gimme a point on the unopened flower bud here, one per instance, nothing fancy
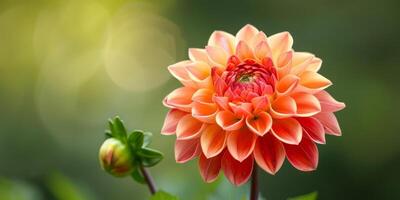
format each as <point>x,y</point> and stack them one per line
<point>116,158</point>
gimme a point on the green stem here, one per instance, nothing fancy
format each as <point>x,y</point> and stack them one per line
<point>149,180</point>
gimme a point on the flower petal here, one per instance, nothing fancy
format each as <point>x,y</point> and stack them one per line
<point>285,59</point>
<point>204,96</point>
<point>237,172</point>
<point>284,63</point>
<point>262,50</point>
<point>315,65</point>
<point>209,167</point>
<point>279,43</point>
<point>219,84</point>
<point>241,143</point>
<point>257,39</point>
<point>199,55</point>
<point>171,121</point>
<point>228,121</point>
<point>287,130</point>
<point>222,102</point>
<point>241,109</point>
<point>217,54</point>
<point>260,103</point>
<point>178,70</point>
<point>186,150</point>
<point>204,112</point>
<point>223,40</point>
<point>303,156</point>
<point>213,140</point>
<point>180,98</point>
<point>246,34</point>
<point>243,51</point>
<point>283,107</point>
<point>200,73</point>
<point>307,104</point>
<point>269,153</point>
<point>287,84</point>
<point>188,128</point>
<point>330,123</point>
<point>328,103</point>
<point>313,128</point>
<point>313,81</point>
<point>260,124</point>
<point>301,61</point>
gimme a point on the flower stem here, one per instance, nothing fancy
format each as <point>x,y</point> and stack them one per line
<point>149,180</point>
<point>254,184</point>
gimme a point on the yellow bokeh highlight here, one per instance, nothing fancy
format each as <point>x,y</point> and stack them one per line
<point>140,44</point>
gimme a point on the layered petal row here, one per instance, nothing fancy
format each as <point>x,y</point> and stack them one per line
<point>249,99</point>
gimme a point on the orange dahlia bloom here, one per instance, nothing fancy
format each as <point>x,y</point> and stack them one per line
<point>249,98</point>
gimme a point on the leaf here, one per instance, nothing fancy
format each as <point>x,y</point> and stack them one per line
<point>64,188</point>
<point>161,195</point>
<point>138,176</point>
<point>136,139</point>
<point>310,196</point>
<point>11,189</point>
<point>147,138</point>
<point>149,157</point>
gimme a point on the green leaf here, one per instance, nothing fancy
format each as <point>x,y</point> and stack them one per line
<point>64,188</point>
<point>136,139</point>
<point>310,196</point>
<point>138,176</point>
<point>147,139</point>
<point>161,195</point>
<point>18,190</point>
<point>149,157</point>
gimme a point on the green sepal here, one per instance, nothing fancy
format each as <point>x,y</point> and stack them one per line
<point>112,129</point>
<point>108,134</point>
<point>147,139</point>
<point>161,195</point>
<point>149,157</point>
<point>138,176</point>
<point>120,128</point>
<point>117,129</point>
<point>135,139</point>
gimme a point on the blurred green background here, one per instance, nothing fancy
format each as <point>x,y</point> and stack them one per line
<point>66,66</point>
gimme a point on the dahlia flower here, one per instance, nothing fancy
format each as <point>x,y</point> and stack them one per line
<point>249,99</point>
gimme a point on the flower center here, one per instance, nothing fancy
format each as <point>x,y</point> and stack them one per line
<point>244,78</point>
<point>242,81</point>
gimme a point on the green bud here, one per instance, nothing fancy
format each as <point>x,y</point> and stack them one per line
<point>116,158</point>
